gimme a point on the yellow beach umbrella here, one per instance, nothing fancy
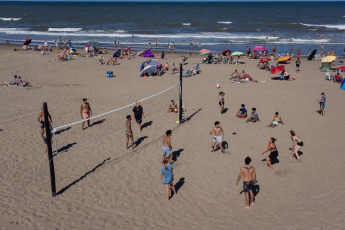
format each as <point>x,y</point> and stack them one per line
<point>329,59</point>
<point>285,58</point>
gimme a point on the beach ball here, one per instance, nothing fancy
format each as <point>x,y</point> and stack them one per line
<point>218,85</point>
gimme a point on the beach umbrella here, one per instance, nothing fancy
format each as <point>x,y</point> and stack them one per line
<point>277,69</point>
<point>27,41</point>
<point>128,48</point>
<point>259,48</point>
<point>204,51</point>
<point>329,59</point>
<point>140,52</point>
<point>285,58</point>
<point>225,51</point>
<point>265,59</point>
<point>237,53</point>
<point>149,70</point>
<point>342,68</point>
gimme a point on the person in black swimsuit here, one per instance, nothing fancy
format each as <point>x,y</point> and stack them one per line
<point>297,144</point>
<point>249,180</point>
<point>274,152</point>
<point>138,114</point>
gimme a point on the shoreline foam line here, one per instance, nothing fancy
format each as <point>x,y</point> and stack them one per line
<point>64,126</point>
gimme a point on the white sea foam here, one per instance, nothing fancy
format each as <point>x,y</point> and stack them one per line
<point>65,29</point>
<point>10,19</point>
<point>186,24</point>
<point>339,27</point>
<point>5,30</point>
<point>224,22</point>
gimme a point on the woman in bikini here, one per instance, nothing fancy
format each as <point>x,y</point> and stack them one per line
<point>273,152</point>
<point>297,144</point>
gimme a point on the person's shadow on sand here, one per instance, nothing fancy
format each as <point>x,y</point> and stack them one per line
<point>139,140</point>
<point>178,186</point>
<point>146,124</point>
<point>176,154</point>
<point>225,110</point>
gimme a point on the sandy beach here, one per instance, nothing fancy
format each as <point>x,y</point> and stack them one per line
<point>102,185</point>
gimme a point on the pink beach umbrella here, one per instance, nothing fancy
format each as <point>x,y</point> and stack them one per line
<point>259,48</point>
<point>204,51</point>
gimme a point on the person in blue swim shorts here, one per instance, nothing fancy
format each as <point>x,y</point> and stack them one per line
<point>167,153</point>
<point>276,120</point>
<point>322,103</point>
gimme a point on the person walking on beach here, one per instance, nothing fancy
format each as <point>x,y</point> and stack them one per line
<point>221,101</point>
<point>85,113</point>
<point>276,120</point>
<point>218,136</point>
<point>322,103</point>
<point>40,120</point>
<point>167,177</point>
<point>138,113</point>
<point>273,152</point>
<point>173,47</point>
<point>249,180</point>
<point>297,144</point>
<point>129,132</point>
<point>167,153</point>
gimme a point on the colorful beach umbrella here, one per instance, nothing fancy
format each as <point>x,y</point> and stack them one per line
<point>329,59</point>
<point>342,68</point>
<point>277,69</point>
<point>128,48</point>
<point>285,58</point>
<point>237,53</point>
<point>140,52</point>
<point>265,59</point>
<point>225,52</point>
<point>204,51</point>
<point>259,48</point>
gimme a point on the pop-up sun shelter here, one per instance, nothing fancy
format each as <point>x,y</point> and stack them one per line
<point>150,68</point>
<point>148,53</point>
<point>326,67</point>
<point>144,64</point>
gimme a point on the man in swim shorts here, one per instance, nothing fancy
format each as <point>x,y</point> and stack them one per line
<point>85,113</point>
<point>322,103</point>
<point>138,113</point>
<point>129,133</point>
<point>234,75</point>
<point>249,180</point>
<point>218,137</point>
<point>40,120</point>
<point>276,120</point>
<point>167,153</point>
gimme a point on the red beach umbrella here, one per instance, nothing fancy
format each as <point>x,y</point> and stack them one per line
<point>265,59</point>
<point>225,52</point>
<point>277,69</point>
<point>342,68</point>
<point>128,48</point>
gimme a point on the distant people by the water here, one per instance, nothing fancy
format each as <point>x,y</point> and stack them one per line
<point>221,101</point>
<point>273,151</point>
<point>276,120</point>
<point>322,103</point>
<point>167,153</point>
<point>297,144</point>
<point>167,177</point>
<point>129,132</point>
<point>218,136</point>
<point>254,117</point>
<point>249,181</point>
<point>85,113</point>
<point>138,114</point>
<point>242,112</point>
<point>149,44</point>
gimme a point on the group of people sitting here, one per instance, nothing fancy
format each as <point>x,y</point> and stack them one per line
<point>265,66</point>
<point>243,76</point>
<point>336,78</point>
<point>17,81</point>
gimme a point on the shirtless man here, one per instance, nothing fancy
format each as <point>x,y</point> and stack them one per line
<point>44,136</point>
<point>172,107</point>
<point>234,75</point>
<point>167,146</point>
<point>129,133</point>
<point>276,120</point>
<point>249,180</point>
<point>40,120</point>
<point>218,136</point>
<point>85,113</point>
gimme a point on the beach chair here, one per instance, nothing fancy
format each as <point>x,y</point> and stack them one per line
<point>187,74</point>
<point>196,69</point>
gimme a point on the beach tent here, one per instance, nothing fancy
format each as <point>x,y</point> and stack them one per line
<point>117,53</point>
<point>148,70</point>
<point>325,67</point>
<point>311,56</point>
<point>143,64</point>
<point>342,85</point>
<point>148,53</point>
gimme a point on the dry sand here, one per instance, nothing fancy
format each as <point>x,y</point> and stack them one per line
<point>104,186</point>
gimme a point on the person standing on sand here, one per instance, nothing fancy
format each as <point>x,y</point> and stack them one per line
<point>291,50</point>
<point>297,144</point>
<point>221,101</point>
<point>44,136</point>
<point>173,47</point>
<point>138,114</point>
<point>167,177</point>
<point>273,152</point>
<point>276,120</point>
<point>129,133</point>
<point>85,113</point>
<point>298,64</point>
<point>322,103</point>
<point>298,53</point>
<point>167,146</point>
<point>40,120</point>
<point>249,180</point>
<point>218,136</point>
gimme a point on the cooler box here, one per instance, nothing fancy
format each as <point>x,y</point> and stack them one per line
<point>110,74</point>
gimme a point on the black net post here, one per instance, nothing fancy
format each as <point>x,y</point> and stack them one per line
<point>49,148</point>
<point>181,105</point>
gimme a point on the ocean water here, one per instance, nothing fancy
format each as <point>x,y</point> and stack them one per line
<point>218,26</point>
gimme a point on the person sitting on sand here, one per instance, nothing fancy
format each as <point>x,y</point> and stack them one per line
<point>254,117</point>
<point>249,180</point>
<point>273,152</point>
<point>166,66</point>
<point>242,74</point>
<point>234,75</point>
<point>285,75</point>
<point>172,107</point>
<point>242,113</point>
<point>276,120</point>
